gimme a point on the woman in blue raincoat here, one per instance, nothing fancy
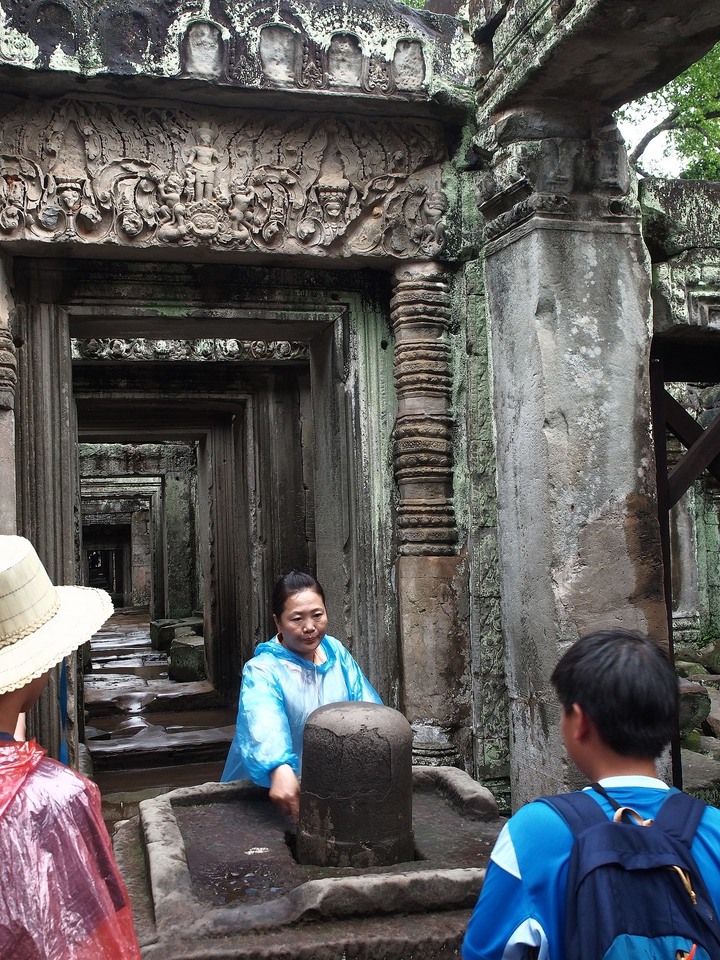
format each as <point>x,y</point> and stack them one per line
<point>299,670</point>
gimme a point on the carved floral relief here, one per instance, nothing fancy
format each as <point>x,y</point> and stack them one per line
<point>101,172</point>
<point>206,350</point>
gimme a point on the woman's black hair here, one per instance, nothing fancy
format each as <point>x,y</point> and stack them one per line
<point>627,685</point>
<point>291,583</point>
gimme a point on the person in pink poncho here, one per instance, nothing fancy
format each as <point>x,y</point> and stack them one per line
<point>61,895</point>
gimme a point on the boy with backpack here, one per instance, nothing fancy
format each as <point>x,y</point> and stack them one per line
<point>575,878</point>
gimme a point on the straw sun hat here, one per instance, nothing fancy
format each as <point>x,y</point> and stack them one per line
<point>40,624</point>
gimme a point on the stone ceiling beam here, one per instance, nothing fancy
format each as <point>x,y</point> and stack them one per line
<point>606,52</point>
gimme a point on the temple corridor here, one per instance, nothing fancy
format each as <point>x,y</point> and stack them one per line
<point>147,734</point>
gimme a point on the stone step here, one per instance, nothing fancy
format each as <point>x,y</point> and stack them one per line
<point>129,694</point>
<point>156,746</point>
<point>123,791</point>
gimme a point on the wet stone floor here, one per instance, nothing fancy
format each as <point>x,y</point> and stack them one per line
<point>147,734</point>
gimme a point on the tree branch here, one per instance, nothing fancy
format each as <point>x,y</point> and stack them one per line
<point>667,124</point>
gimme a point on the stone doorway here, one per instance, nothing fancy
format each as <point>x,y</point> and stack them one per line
<point>283,405</point>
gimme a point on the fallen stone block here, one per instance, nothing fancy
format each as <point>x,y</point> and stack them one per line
<point>686,668</point>
<point>694,706</point>
<point>162,633</point>
<point>187,659</point>
<point>701,776</point>
<point>712,721</point>
<point>710,746</point>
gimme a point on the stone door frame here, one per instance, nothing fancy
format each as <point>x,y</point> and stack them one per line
<point>347,442</point>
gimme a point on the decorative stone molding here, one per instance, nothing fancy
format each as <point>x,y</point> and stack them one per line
<point>196,350</point>
<point>8,371</point>
<point>101,173</point>
<point>580,177</point>
<point>422,447</point>
<point>376,49</point>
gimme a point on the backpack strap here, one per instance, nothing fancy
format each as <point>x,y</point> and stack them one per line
<point>578,810</point>
<point>680,815</point>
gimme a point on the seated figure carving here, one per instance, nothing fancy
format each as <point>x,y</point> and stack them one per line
<point>203,50</point>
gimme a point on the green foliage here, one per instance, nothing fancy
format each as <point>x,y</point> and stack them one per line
<point>688,109</point>
<point>704,168</point>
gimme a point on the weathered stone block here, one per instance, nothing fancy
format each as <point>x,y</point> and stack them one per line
<point>701,776</point>
<point>356,797</point>
<point>162,633</point>
<point>687,668</point>
<point>694,706</point>
<point>712,717</point>
<point>187,659</point>
<point>194,623</point>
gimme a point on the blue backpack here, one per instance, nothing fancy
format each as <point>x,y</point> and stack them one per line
<point>634,891</point>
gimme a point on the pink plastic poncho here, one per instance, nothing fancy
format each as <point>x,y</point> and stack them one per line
<point>61,896</point>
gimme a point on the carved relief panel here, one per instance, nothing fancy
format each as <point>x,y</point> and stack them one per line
<point>106,173</point>
<point>377,48</point>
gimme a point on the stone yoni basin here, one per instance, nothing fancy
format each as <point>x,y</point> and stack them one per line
<point>220,861</point>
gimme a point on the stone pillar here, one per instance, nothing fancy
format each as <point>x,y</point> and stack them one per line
<point>430,575</point>
<point>8,382</point>
<point>568,287</point>
<point>47,481</point>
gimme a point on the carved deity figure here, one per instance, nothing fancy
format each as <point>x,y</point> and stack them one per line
<point>203,50</point>
<point>12,201</point>
<point>202,162</point>
<point>171,213</point>
<point>409,65</point>
<point>241,196</point>
<point>278,53</point>
<point>131,222</point>
<point>345,60</point>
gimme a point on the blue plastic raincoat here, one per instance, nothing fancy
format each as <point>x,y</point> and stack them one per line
<point>279,691</point>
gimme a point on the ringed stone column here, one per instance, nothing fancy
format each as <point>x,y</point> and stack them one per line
<point>430,575</point>
<point>568,286</point>
<point>8,383</point>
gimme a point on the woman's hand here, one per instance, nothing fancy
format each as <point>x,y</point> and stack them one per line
<point>285,790</point>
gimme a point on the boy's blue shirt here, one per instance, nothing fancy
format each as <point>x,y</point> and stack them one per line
<point>522,902</point>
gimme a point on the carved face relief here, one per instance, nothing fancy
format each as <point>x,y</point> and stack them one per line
<point>70,196</point>
<point>409,65</point>
<point>345,60</point>
<point>203,50</point>
<point>278,53</point>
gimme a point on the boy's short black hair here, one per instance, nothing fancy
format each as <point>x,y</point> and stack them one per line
<point>627,686</point>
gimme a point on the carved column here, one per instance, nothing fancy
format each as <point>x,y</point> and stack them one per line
<point>568,286</point>
<point>48,486</point>
<point>8,382</point>
<point>430,574</point>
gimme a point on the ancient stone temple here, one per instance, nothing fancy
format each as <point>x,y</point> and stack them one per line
<point>354,287</point>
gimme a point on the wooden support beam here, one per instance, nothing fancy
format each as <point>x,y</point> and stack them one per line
<point>699,457</point>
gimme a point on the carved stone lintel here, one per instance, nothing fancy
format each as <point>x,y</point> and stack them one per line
<point>422,435</point>
<point>198,350</point>
<point>136,176</point>
<point>8,371</point>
